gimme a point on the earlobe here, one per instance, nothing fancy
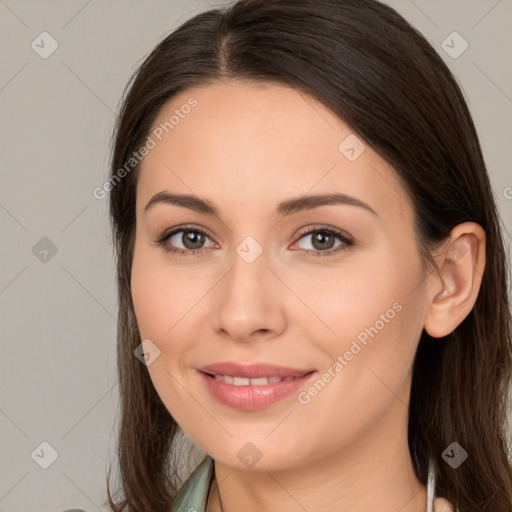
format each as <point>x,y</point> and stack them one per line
<point>452,292</point>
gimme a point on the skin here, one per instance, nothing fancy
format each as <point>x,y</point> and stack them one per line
<point>246,147</point>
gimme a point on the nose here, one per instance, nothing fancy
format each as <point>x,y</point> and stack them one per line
<point>250,301</point>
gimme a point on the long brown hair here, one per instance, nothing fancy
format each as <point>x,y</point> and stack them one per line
<point>368,65</point>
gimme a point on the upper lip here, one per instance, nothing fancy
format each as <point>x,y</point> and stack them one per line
<point>252,371</point>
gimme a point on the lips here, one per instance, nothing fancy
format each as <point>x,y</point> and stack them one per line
<point>253,371</point>
<point>252,387</point>
<point>260,381</point>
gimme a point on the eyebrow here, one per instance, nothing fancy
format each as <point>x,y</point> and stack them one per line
<point>284,208</point>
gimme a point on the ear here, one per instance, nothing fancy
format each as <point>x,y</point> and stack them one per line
<point>452,292</point>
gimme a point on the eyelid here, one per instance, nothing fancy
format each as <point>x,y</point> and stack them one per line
<point>325,227</point>
<point>185,227</point>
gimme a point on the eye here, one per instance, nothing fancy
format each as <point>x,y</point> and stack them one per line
<point>323,240</point>
<point>192,241</point>
<point>190,238</point>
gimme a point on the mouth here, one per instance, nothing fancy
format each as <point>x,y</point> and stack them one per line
<point>253,394</point>
<point>251,371</point>
<point>260,381</point>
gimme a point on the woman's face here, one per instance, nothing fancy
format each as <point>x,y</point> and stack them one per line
<point>274,285</point>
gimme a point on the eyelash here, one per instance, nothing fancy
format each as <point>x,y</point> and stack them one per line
<point>347,243</point>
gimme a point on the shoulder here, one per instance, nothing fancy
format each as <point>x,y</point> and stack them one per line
<point>442,505</point>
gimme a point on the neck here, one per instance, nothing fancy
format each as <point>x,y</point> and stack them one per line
<point>375,473</point>
<point>413,499</point>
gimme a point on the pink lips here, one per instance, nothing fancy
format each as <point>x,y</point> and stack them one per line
<point>252,397</point>
<point>252,371</point>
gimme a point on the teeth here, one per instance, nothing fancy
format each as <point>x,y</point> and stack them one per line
<point>243,381</point>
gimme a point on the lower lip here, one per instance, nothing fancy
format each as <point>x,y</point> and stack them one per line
<point>253,398</point>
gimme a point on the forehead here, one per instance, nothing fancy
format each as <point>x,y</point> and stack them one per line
<point>260,142</point>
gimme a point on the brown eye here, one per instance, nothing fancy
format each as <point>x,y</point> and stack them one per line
<point>323,242</point>
<point>191,239</point>
<point>184,241</point>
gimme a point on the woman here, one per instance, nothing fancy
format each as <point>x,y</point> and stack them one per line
<point>311,272</point>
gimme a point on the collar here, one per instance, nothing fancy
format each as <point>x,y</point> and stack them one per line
<point>193,494</point>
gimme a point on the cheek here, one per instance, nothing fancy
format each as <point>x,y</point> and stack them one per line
<point>371,316</point>
<point>159,293</point>
<point>367,365</point>
<point>148,299</point>
<point>167,299</point>
<point>370,289</point>
<point>152,297</point>
<point>161,300</point>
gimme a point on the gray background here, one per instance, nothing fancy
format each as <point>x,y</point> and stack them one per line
<point>58,311</point>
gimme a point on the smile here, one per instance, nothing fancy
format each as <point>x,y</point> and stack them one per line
<point>262,381</point>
